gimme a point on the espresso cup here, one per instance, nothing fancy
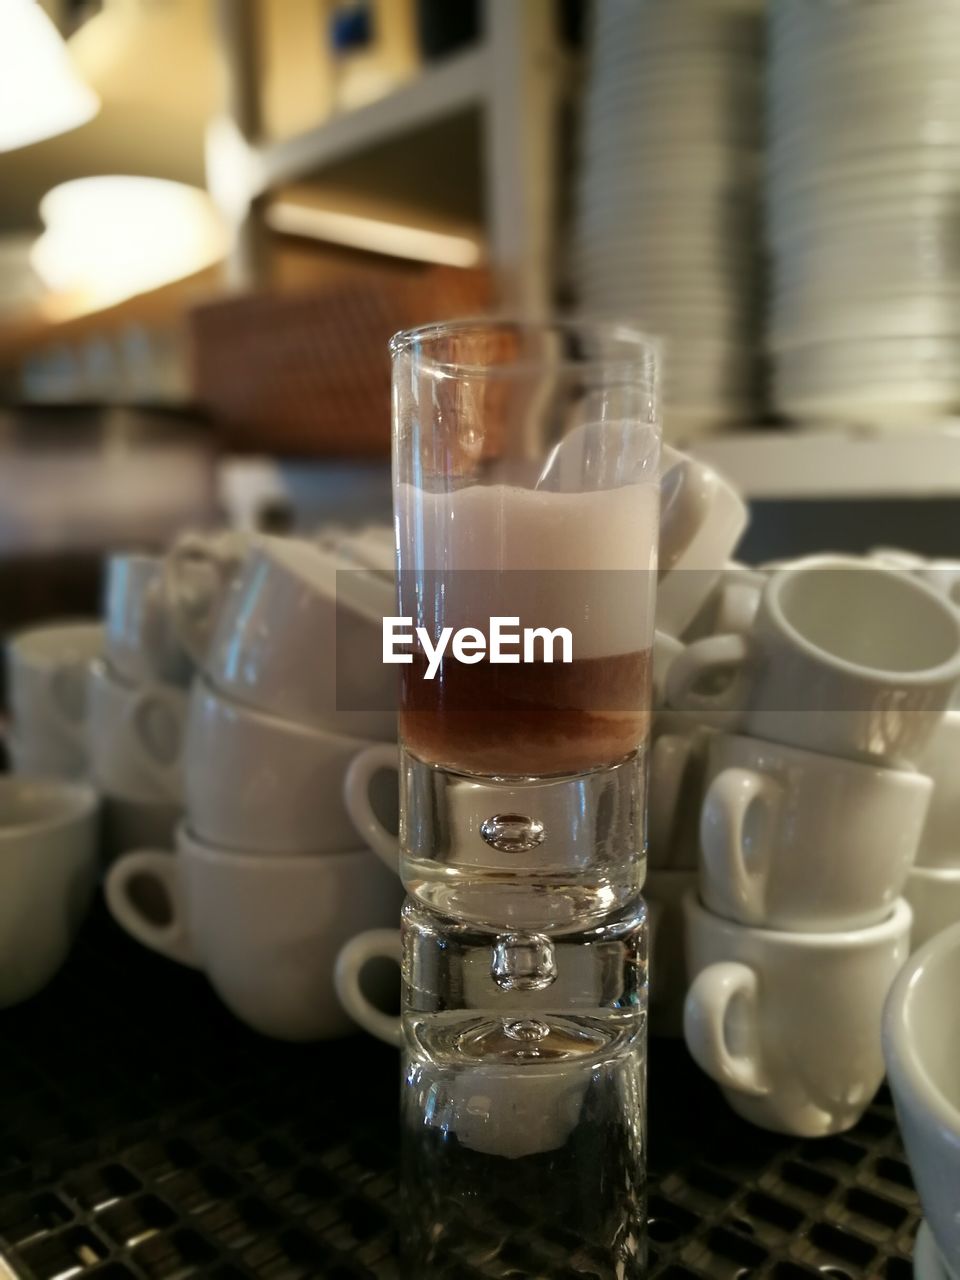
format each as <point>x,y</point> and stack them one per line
<point>264,785</point>
<point>198,573</point>
<point>940,842</point>
<point>934,897</point>
<point>136,736</point>
<point>921,1045</point>
<point>48,871</point>
<point>264,930</point>
<point>678,757</point>
<point>788,1023</point>
<point>845,657</point>
<point>791,839</point>
<point>701,520</point>
<point>140,641</point>
<point>300,637</point>
<point>47,692</point>
<point>664,893</point>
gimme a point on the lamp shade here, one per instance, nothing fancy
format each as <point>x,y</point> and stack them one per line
<point>109,238</point>
<point>40,93</point>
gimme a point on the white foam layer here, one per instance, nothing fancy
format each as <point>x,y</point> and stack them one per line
<point>593,555</point>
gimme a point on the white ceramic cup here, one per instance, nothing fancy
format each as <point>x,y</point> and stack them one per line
<point>265,785</point>
<point>701,520</point>
<point>664,893</point>
<point>300,636</point>
<point>677,763</point>
<point>136,736</point>
<point>934,896</point>
<point>198,573</point>
<point>792,839</point>
<point>845,656</point>
<point>265,930</point>
<point>141,644</point>
<point>48,871</point>
<point>940,842</point>
<point>788,1024</point>
<point>47,691</point>
<point>921,1045</point>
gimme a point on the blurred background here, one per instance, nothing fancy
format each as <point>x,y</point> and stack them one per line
<point>213,213</point>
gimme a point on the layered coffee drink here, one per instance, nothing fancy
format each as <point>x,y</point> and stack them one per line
<point>571,579</point>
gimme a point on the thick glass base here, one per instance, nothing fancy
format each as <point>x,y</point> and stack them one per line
<point>523,1113</point>
<point>537,854</point>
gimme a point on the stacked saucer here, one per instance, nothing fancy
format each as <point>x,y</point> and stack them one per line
<point>863,180</point>
<point>665,224</point>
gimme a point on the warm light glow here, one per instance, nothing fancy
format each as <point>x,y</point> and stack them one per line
<point>110,238</point>
<point>376,236</point>
<point>40,93</point>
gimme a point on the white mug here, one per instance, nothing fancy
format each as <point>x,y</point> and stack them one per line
<point>921,1045</point>
<point>701,520</point>
<point>48,871</point>
<point>845,657</point>
<point>47,691</point>
<point>140,641</point>
<point>678,756</point>
<point>934,896</point>
<point>198,574</point>
<point>940,842</point>
<point>664,892</point>
<point>791,839</point>
<point>788,1024</point>
<point>136,737</point>
<point>257,783</point>
<point>300,636</point>
<point>265,930</point>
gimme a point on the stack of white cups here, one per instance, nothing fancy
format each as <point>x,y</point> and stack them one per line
<point>136,703</point>
<point>821,712</point>
<point>268,880</point>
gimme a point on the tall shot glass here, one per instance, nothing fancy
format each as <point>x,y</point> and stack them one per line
<point>526,498</point>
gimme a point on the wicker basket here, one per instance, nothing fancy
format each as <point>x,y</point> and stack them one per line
<point>309,373</point>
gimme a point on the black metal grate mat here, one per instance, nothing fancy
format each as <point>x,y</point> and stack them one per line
<point>146,1135</point>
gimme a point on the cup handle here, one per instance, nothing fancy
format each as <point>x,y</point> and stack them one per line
<point>356,798</point>
<point>708,657</point>
<point>669,758</point>
<point>62,691</point>
<point>170,939</point>
<point>725,805</point>
<point>355,955</point>
<point>704,1017</point>
<point>146,703</point>
<point>194,606</point>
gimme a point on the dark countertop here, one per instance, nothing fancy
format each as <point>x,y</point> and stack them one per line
<point>146,1135</point>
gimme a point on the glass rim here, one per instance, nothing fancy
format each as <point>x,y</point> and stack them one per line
<point>648,347</point>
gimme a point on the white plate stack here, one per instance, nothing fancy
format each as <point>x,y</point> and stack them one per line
<point>666,203</point>
<point>863,188</point>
